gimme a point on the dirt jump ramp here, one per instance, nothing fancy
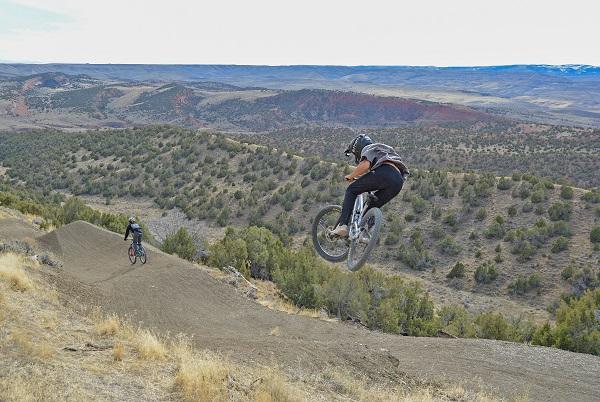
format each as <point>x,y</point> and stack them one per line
<point>172,295</point>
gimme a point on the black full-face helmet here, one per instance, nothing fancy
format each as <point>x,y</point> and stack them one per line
<point>356,146</point>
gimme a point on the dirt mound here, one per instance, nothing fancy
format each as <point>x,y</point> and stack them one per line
<point>172,295</point>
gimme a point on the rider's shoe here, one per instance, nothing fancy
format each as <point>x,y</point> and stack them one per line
<point>363,238</point>
<point>341,231</point>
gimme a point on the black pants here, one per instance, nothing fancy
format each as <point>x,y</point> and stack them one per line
<point>137,238</point>
<point>386,181</point>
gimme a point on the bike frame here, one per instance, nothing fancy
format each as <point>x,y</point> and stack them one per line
<point>360,207</point>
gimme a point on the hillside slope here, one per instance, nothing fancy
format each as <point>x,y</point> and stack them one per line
<point>439,219</point>
<point>172,295</point>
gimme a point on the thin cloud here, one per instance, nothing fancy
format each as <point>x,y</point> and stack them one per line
<point>16,18</point>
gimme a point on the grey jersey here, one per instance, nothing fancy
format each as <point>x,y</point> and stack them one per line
<point>377,154</point>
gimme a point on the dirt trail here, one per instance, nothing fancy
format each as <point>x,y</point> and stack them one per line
<point>172,295</point>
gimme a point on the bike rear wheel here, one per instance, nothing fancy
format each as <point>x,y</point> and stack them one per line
<point>361,247</point>
<point>331,248</point>
<point>131,255</point>
<point>142,255</point>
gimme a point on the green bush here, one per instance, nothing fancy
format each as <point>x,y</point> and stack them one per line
<point>456,321</point>
<point>504,184</point>
<point>560,211</point>
<point>449,246</point>
<point>566,193</point>
<point>486,272</point>
<point>457,271</point>
<point>481,214</point>
<point>560,244</point>
<point>592,196</point>
<point>522,285</point>
<point>576,327</point>
<point>180,243</point>
<point>581,278</point>
<point>595,234</point>
<point>370,297</point>
<point>495,230</point>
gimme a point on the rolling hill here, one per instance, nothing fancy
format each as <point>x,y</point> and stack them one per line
<point>529,229</point>
<point>60,100</point>
<point>567,94</point>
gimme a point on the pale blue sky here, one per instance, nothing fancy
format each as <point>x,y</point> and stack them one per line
<point>343,32</point>
<point>15,18</point>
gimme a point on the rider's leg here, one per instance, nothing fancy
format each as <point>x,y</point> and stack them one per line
<point>137,240</point>
<point>393,184</point>
<point>367,182</point>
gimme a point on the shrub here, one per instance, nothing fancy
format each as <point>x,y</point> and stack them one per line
<point>512,210</point>
<point>560,211</point>
<point>566,193</point>
<point>595,234</point>
<point>456,321</point>
<point>419,205</point>
<point>180,243</point>
<point>451,220</point>
<point>486,273</point>
<point>495,231</point>
<point>560,244</point>
<point>504,184</point>
<point>523,285</point>
<point>524,250</point>
<point>581,279</point>
<point>481,214</point>
<point>493,326</point>
<point>438,232</point>
<point>457,271</point>
<point>592,196</point>
<point>576,325</point>
<point>449,246</point>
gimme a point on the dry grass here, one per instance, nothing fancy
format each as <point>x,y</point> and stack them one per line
<point>275,331</point>
<point>274,388</point>
<point>361,389</point>
<point>200,376</point>
<point>3,307</point>
<point>108,326</point>
<point>12,272</point>
<point>33,348</point>
<point>149,346</point>
<point>118,351</point>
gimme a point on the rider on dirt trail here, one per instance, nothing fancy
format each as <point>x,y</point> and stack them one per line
<point>379,168</point>
<point>136,231</point>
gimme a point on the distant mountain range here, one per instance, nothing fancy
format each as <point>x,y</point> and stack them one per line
<point>80,101</point>
<point>566,94</point>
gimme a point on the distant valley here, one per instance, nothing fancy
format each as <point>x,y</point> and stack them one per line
<point>565,95</point>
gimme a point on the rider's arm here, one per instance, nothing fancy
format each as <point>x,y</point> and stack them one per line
<point>127,231</point>
<point>362,168</point>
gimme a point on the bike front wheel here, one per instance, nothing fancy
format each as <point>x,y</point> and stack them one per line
<point>131,255</point>
<point>331,248</point>
<point>361,247</point>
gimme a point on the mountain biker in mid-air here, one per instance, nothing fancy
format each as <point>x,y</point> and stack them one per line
<point>379,169</point>
<point>136,231</point>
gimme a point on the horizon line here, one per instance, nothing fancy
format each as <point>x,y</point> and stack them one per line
<point>566,65</point>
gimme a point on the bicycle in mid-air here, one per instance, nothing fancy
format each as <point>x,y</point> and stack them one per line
<point>136,252</point>
<point>363,232</point>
